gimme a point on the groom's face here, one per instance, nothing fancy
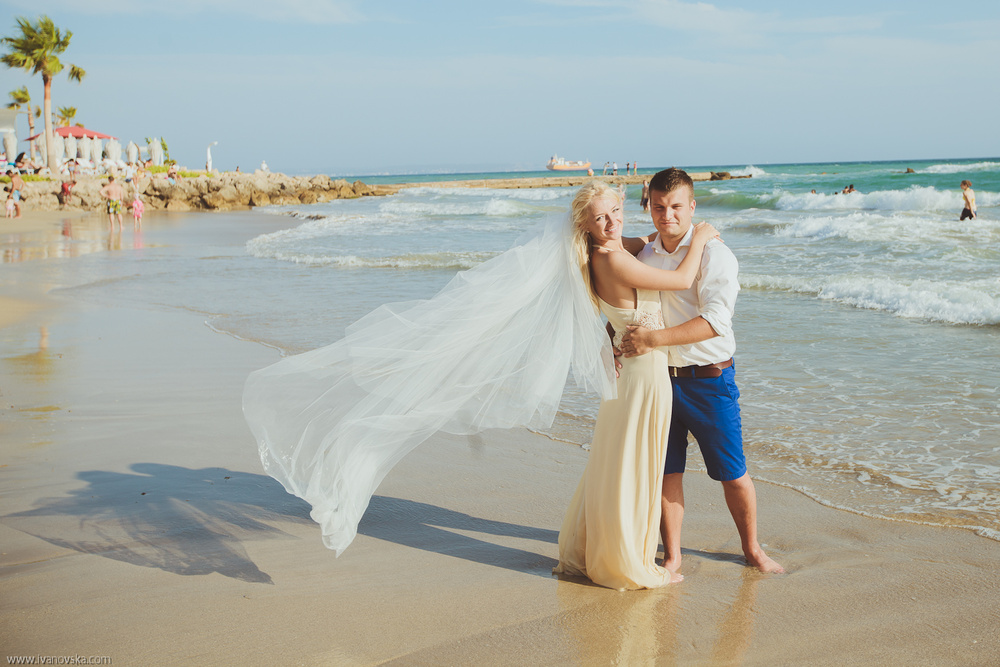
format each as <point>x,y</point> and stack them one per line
<point>672,213</point>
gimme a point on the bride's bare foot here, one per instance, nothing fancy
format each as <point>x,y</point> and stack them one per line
<point>676,578</point>
<point>672,564</point>
<point>764,563</point>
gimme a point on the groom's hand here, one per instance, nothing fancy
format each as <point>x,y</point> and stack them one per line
<point>636,341</point>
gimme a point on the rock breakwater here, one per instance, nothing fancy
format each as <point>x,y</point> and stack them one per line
<point>216,192</point>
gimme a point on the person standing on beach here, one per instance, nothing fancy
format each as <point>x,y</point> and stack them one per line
<point>969,198</point>
<point>113,193</point>
<point>699,337</point>
<point>16,188</point>
<point>644,197</point>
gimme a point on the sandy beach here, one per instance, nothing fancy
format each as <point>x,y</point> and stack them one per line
<point>138,525</point>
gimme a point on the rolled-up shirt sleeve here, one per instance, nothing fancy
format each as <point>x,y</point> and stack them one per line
<point>718,287</point>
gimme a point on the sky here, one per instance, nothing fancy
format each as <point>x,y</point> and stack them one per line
<point>356,87</point>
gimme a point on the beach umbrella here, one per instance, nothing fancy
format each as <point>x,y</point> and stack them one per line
<point>75,131</point>
<point>208,161</point>
<point>132,152</point>
<point>40,143</point>
<point>70,143</point>
<point>10,145</point>
<point>113,150</point>
<point>156,152</point>
<point>96,151</point>
<point>84,146</point>
<point>60,145</point>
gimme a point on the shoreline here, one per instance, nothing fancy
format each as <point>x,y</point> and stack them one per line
<point>135,507</point>
<point>229,191</point>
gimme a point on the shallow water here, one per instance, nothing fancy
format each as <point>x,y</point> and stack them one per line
<point>868,328</point>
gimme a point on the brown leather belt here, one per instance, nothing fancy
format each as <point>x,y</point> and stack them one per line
<point>710,371</point>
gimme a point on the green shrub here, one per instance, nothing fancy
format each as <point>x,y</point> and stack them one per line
<point>27,178</point>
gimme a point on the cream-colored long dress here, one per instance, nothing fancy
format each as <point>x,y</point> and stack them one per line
<point>612,527</point>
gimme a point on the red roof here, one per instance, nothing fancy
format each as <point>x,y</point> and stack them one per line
<point>75,131</point>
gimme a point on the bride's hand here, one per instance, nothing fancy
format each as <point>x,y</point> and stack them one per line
<point>705,232</point>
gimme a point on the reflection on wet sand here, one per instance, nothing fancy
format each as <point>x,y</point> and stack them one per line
<point>604,627</point>
<point>736,625</point>
<point>72,238</point>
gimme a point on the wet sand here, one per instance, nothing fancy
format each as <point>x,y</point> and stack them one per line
<point>136,523</point>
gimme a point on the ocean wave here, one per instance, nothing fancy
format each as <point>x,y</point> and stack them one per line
<point>734,200</point>
<point>437,260</point>
<point>920,299</point>
<point>316,226</point>
<point>528,194</point>
<point>948,168</point>
<point>903,230</point>
<point>914,198</point>
<point>977,302</point>
<point>857,227</point>
<point>493,207</point>
<point>749,170</point>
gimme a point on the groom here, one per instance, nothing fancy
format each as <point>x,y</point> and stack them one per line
<point>699,334</point>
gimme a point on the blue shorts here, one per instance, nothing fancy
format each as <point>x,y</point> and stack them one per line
<point>708,409</point>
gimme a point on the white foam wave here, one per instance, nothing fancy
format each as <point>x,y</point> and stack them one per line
<point>314,227</point>
<point>920,299</point>
<point>914,198</point>
<point>749,170</point>
<point>948,168</point>
<point>858,227</point>
<point>439,260</point>
<point>528,194</point>
<point>976,302</point>
<point>488,207</point>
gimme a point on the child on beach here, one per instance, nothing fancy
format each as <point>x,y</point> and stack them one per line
<point>66,192</point>
<point>137,208</point>
<point>10,202</point>
<point>969,198</point>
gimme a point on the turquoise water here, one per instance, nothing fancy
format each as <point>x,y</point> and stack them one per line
<point>868,326</point>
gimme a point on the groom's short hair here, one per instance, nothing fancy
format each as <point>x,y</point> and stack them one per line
<point>668,180</point>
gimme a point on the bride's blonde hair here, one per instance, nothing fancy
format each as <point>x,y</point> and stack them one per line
<point>579,209</point>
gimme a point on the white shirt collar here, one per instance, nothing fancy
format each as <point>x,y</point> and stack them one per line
<point>685,242</point>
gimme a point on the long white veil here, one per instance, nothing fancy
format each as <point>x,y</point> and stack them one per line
<point>493,349</point>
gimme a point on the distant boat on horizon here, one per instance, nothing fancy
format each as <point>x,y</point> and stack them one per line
<point>557,163</point>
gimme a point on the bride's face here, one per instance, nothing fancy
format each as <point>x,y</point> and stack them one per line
<point>604,219</point>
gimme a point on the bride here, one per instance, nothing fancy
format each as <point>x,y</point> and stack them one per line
<point>493,349</point>
<point>612,527</point>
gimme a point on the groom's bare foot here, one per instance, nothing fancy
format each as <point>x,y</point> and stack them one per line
<point>763,562</point>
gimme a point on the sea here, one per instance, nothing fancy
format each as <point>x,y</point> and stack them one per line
<point>868,324</point>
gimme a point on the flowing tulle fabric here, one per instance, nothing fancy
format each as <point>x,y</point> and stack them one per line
<point>493,349</point>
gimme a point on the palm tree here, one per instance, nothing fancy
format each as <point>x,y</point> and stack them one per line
<point>65,116</point>
<point>22,98</point>
<point>37,51</point>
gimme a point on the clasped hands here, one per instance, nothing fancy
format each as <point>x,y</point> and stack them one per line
<point>636,341</point>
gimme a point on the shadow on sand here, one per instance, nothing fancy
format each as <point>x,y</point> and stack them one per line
<point>167,517</point>
<point>194,521</point>
<point>443,531</point>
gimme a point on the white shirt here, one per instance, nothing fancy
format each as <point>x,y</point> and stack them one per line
<point>712,296</point>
